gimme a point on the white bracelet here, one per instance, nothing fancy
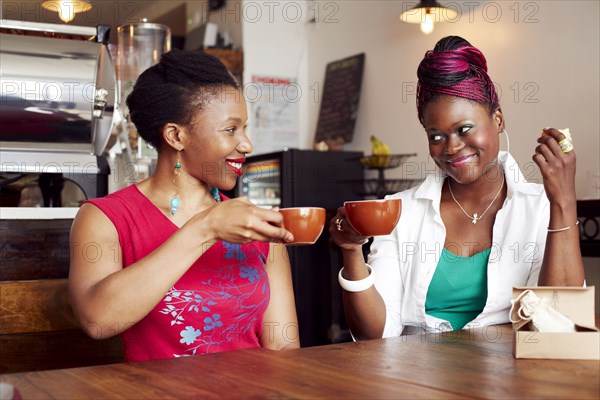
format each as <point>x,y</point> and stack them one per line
<point>357,286</point>
<point>562,229</point>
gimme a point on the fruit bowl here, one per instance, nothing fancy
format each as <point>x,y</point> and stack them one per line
<point>384,160</point>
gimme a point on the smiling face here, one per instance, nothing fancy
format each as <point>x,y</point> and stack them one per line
<point>216,143</point>
<point>463,137</point>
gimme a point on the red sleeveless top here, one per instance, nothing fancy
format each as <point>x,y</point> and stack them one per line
<point>217,305</point>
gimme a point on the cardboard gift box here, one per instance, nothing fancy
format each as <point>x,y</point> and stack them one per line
<point>577,303</point>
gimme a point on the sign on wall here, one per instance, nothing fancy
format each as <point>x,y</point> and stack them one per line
<point>273,106</point>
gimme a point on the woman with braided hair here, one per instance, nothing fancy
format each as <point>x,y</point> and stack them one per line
<point>472,230</point>
<point>169,263</point>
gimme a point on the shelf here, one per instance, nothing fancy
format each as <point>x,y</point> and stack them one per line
<point>37,213</point>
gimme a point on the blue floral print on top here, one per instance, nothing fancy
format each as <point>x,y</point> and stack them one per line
<point>197,313</point>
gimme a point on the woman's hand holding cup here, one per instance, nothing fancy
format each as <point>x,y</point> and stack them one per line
<point>343,234</point>
<point>240,221</point>
<point>359,220</point>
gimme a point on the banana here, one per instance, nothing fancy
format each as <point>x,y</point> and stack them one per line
<point>380,153</point>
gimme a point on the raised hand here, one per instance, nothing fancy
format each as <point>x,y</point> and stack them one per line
<point>557,167</point>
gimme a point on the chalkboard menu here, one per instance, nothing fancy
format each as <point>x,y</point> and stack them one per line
<point>341,95</point>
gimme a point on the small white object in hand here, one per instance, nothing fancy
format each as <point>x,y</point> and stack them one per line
<point>566,145</point>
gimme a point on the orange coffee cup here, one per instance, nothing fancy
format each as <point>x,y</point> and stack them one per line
<point>305,223</point>
<point>373,217</point>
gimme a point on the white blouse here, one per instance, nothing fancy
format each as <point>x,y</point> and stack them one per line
<point>404,261</point>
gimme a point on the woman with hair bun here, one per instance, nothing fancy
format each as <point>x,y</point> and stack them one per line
<point>472,230</point>
<point>170,263</point>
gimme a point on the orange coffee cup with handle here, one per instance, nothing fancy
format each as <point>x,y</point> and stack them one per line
<point>305,223</point>
<point>373,217</point>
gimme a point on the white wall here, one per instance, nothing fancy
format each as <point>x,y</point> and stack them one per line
<point>543,56</point>
<point>276,44</point>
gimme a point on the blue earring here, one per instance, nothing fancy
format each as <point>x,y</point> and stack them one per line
<point>175,201</point>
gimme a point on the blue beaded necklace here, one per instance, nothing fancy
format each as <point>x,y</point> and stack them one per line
<point>216,195</point>
<point>176,202</point>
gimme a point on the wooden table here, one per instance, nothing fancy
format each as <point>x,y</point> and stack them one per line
<point>475,364</point>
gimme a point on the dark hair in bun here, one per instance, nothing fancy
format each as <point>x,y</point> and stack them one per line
<point>173,90</point>
<point>455,68</point>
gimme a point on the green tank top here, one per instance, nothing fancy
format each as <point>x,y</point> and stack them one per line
<point>458,290</point>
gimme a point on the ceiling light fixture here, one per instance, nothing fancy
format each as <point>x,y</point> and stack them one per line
<point>426,13</point>
<point>67,9</point>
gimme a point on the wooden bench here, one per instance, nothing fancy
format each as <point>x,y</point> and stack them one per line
<point>38,330</point>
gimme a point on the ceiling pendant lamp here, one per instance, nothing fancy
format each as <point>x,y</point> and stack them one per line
<point>67,9</point>
<point>426,13</point>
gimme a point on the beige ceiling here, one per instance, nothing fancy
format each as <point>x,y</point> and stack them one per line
<point>106,12</point>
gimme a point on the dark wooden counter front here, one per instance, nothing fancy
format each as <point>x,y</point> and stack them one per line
<point>38,330</point>
<point>475,364</point>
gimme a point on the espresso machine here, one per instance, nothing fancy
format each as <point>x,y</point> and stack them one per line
<point>57,110</point>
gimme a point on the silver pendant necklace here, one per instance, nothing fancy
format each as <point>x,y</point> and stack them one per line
<point>475,217</point>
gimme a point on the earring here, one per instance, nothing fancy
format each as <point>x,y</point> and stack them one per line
<point>175,201</point>
<point>507,141</point>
